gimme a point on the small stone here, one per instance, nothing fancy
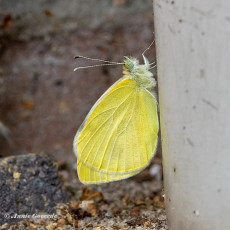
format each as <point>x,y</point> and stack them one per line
<point>4,226</point>
<point>147,223</point>
<point>50,226</point>
<point>135,212</point>
<point>74,205</point>
<point>156,199</point>
<point>33,225</point>
<point>75,223</point>
<point>92,209</point>
<point>69,218</point>
<point>125,199</point>
<point>16,175</point>
<point>85,204</point>
<point>61,222</point>
<point>89,194</point>
<point>162,217</point>
<point>140,202</point>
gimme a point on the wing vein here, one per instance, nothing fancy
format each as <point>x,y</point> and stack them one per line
<point>122,130</point>
<point>102,125</point>
<point>110,138</point>
<point>131,116</point>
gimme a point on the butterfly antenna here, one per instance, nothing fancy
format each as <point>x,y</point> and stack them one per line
<point>143,54</point>
<point>91,66</point>
<point>106,63</point>
<point>153,63</point>
<point>96,59</point>
<point>152,67</point>
<point>148,47</point>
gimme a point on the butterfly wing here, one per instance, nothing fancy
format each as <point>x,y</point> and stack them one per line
<point>88,175</point>
<point>119,135</point>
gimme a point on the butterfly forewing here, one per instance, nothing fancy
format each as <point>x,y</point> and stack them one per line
<point>119,136</point>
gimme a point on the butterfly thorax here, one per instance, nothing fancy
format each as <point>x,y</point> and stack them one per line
<point>140,73</point>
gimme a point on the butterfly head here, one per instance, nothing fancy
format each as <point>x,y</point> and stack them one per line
<point>130,63</point>
<point>139,72</point>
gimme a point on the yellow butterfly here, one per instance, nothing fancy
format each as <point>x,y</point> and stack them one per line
<point>118,137</point>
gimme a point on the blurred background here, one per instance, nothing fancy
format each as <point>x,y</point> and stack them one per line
<point>42,101</point>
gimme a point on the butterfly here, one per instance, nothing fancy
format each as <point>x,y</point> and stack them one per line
<point>119,136</point>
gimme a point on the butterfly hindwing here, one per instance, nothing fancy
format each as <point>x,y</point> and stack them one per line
<point>90,176</point>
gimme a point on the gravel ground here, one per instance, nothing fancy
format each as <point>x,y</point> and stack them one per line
<point>136,203</point>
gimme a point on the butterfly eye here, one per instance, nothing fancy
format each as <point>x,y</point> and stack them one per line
<point>129,65</point>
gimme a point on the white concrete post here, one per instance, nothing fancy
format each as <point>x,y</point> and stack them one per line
<point>193,60</point>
